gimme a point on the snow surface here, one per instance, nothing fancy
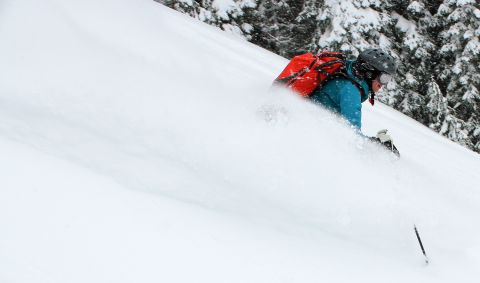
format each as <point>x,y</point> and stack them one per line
<point>140,145</point>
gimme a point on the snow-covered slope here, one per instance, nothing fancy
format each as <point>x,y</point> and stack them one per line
<point>139,145</point>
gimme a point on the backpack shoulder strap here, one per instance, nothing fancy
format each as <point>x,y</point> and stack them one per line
<point>341,73</point>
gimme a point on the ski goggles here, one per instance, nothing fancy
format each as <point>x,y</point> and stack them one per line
<point>384,78</point>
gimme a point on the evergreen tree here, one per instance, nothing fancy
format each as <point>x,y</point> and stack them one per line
<point>459,64</point>
<point>233,16</point>
<point>352,26</point>
<point>287,25</point>
<point>413,39</point>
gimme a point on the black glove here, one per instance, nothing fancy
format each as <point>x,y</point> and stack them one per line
<point>385,140</point>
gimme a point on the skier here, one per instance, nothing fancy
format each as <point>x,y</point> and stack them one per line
<point>342,85</point>
<point>372,70</point>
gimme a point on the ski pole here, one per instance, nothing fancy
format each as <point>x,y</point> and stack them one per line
<point>421,244</point>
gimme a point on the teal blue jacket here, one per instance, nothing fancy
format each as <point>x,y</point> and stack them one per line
<point>342,96</point>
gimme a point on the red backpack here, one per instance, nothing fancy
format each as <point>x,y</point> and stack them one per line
<point>304,73</point>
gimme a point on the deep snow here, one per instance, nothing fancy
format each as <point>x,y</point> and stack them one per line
<point>139,145</point>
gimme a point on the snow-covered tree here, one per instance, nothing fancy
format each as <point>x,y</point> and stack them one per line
<point>443,118</point>
<point>459,53</point>
<point>287,26</point>
<point>234,16</point>
<point>352,26</point>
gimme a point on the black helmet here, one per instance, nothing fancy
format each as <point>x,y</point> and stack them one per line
<point>377,60</point>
